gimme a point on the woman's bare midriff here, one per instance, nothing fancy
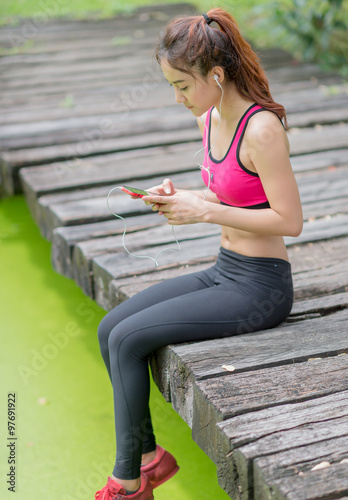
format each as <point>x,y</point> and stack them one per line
<point>253,245</point>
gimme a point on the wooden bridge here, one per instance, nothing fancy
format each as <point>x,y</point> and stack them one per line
<point>84,109</point>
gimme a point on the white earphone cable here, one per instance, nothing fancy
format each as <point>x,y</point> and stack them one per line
<point>202,167</point>
<point>154,259</point>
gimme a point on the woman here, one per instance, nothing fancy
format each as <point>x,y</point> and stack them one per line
<point>252,194</point>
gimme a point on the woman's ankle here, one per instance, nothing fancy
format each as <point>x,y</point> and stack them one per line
<point>128,484</point>
<point>147,458</point>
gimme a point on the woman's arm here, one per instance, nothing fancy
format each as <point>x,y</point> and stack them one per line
<point>267,148</point>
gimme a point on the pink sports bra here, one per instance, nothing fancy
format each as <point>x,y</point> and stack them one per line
<point>233,183</point>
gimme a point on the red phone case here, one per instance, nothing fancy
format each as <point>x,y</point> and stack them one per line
<point>138,195</point>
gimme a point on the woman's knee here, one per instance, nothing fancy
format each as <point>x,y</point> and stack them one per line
<point>128,340</point>
<point>116,338</point>
<point>104,329</point>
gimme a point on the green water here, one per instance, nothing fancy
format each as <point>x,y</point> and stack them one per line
<point>50,359</point>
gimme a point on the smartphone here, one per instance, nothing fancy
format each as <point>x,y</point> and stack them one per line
<point>134,192</point>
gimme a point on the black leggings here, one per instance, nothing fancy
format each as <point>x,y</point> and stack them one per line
<point>237,295</point>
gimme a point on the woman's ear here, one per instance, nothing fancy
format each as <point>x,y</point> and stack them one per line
<point>218,75</point>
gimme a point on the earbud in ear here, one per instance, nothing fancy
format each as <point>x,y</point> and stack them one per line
<point>216,78</point>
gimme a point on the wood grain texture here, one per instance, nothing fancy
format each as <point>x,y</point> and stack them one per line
<point>281,429</point>
<point>269,406</point>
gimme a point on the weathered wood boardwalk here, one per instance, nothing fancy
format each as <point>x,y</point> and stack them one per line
<point>84,109</point>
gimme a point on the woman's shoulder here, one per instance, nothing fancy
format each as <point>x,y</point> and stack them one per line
<point>265,127</point>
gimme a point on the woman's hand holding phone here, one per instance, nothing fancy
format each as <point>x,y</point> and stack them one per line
<point>165,189</point>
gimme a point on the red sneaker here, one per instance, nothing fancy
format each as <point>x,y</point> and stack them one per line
<point>162,468</point>
<point>114,491</point>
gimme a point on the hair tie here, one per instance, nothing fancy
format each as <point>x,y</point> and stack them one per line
<point>208,20</point>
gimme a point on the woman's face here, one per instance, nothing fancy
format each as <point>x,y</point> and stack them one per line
<point>196,93</point>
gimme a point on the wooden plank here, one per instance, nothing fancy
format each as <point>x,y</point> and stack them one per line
<point>275,75</point>
<point>108,77</point>
<point>220,398</point>
<point>326,208</point>
<point>312,98</point>
<point>326,202</point>
<point>285,344</point>
<point>321,196</point>
<point>127,122</point>
<point>331,279</point>
<point>65,238</point>
<point>298,72</point>
<point>140,242</point>
<point>38,181</point>
<point>271,472</point>
<point>109,267</point>
<point>79,266</point>
<point>312,106</point>
<point>315,268</point>
<point>58,72</point>
<point>94,106</point>
<point>250,428</point>
<point>100,127</point>
<point>318,161</point>
<point>84,207</point>
<point>327,116</point>
<point>321,485</point>
<point>322,229</point>
<point>312,257</point>
<point>305,259</point>
<point>319,305</point>
<point>56,126</point>
<point>327,138</point>
<point>285,428</point>
<point>315,230</point>
<point>306,141</point>
<point>101,170</point>
<point>14,160</point>
<point>81,50</point>
<point>62,176</point>
<point>321,139</point>
<point>91,88</point>
<point>104,81</point>
<point>116,65</point>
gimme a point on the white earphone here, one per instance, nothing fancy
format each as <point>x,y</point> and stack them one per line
<point>216,78</point>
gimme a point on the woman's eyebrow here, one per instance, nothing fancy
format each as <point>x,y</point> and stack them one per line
<point>176,81</point>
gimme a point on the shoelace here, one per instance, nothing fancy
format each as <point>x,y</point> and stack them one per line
<point>110,491</point>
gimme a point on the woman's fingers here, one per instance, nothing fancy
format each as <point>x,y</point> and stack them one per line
<point>168,186</point>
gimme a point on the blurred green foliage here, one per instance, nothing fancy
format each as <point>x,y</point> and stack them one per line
<point>312,30</point>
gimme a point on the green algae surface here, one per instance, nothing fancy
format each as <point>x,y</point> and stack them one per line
<point>63,445</point>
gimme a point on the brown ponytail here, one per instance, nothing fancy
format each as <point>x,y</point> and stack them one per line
<point>191,42</point>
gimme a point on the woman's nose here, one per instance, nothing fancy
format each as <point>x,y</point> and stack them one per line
<point>179,97</point>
